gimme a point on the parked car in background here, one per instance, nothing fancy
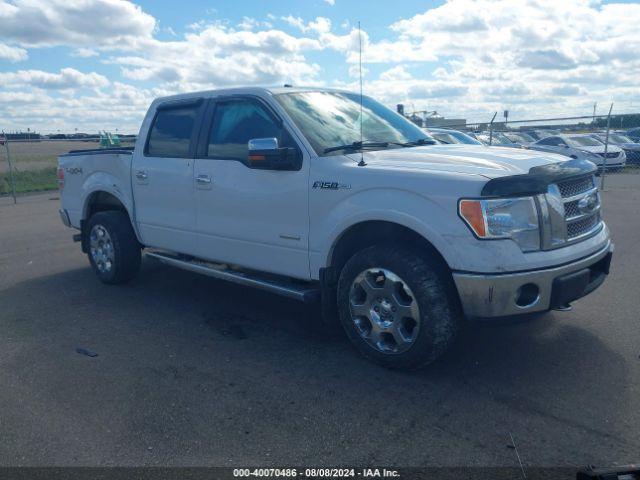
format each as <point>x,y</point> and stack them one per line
<point>497,139</point>
<point>447,136</point>
<point>540,133</point>
<point>520,138</point>
<point>576,145</point>
<point>631,148</point>
<point>634,134</point>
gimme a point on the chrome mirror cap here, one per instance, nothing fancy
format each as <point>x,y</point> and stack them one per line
<point>263,144</point>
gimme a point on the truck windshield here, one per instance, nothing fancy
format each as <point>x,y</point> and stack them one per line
<point>331,119</point>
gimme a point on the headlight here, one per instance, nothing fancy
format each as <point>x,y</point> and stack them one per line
<point>514,218</point>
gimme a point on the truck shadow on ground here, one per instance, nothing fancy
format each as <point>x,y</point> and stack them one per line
<point>176,338</point>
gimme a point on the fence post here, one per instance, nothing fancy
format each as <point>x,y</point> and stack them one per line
<point>606,148</point>
<point>11,181</point>
<point>491,129</point>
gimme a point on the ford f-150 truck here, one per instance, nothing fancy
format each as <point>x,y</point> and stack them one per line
<point>329,197</point>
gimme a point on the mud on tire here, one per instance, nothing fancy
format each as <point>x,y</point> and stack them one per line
<point>417,286</point>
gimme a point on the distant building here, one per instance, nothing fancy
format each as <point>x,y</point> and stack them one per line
<point>444,122</point>
<point>424,118</point>
<point>23,136</point>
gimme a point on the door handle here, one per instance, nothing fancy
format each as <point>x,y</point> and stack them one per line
<point>141,175</point>
<point>203,179</point>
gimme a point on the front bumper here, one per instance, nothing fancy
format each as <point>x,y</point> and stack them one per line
<point>491,295</point>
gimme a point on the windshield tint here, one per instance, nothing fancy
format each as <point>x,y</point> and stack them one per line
<point>329,119</point>
<point>583,142</point>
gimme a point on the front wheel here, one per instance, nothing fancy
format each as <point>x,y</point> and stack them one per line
<point>398,308</point>
<point>114,251</point>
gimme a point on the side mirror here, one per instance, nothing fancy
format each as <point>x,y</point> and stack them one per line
<point>265,154</point>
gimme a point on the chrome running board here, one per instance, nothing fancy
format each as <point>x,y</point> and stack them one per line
<point>304,292</point>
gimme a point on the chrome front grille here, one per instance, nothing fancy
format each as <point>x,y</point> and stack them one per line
<point>570,212</point>
<point>581,206</point>
<point>570,188</point>
<point>580,227</point>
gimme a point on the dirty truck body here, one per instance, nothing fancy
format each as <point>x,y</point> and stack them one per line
<point>398,238</point>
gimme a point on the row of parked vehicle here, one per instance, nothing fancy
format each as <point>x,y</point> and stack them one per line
<point>623,147</point>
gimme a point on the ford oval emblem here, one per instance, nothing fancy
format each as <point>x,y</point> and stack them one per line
<point>588,204</point>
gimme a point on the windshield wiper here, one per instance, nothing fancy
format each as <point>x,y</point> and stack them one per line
<point>417,143</point>
<point>357,146</point>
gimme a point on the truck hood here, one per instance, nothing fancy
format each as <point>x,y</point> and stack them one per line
<point>490,162</point>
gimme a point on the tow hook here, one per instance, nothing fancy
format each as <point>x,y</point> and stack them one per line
<point>564,308</point>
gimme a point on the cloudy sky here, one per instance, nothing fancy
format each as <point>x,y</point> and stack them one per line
<point>96,64</point>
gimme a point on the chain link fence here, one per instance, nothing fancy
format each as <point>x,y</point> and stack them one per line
<point>612,142</point>
<point>29,164</point>
<point>28,161</point>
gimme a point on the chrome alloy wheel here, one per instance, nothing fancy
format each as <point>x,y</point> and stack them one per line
<point>384,310</point>
<point>101,248</point>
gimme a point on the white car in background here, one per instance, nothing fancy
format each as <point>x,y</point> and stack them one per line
<point>631,148</point>
<point>582,146</point>
<point>497,139</point>
<point>450,137</point>
<point>521,138</point>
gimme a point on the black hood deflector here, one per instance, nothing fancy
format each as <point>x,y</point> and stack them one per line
<point>538,178</point>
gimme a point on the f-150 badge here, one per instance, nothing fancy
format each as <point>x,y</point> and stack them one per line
<point>330,185</point>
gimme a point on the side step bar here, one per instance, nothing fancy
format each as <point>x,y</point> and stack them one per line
<point>287,288</point>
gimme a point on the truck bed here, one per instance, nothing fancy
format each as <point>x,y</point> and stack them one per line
<point>87,171</point>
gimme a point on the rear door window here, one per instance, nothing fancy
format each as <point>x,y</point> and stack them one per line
<point>172,132</point>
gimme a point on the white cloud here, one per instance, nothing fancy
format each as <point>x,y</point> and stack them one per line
<point>74,22</point>
<point>331,2</point>
<point>530,56</point>
<point>12,54</point>
<point>394,74</point>
<point>217,55</point>
<point>67,78</point>
<point>85,53</point>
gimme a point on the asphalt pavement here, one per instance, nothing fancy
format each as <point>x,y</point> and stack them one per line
<point>191,371</point>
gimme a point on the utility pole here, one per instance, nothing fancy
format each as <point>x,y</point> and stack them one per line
<point>4,140</point>
<point>594,112</point>
<point>606,149</point>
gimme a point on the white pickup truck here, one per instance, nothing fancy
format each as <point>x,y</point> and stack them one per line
<point>281,189</point>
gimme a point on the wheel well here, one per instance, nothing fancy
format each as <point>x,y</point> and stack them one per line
<point>103,201</point>
<point>366,234</point>
<point>98,202</point>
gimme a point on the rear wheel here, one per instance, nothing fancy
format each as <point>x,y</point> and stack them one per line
<point>113,249</point>
<point>397,307</point>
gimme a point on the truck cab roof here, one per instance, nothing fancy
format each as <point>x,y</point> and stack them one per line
<point>259,91</point>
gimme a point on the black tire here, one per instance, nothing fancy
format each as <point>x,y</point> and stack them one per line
<point>126,248</point>
<point>432,286</point>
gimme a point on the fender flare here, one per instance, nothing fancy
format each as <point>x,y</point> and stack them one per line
<point>401,219</point>
<point>104,182</point>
